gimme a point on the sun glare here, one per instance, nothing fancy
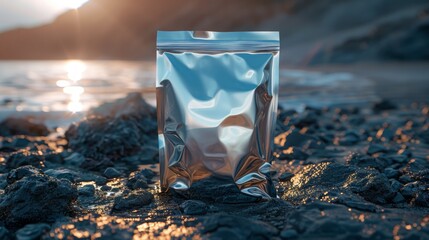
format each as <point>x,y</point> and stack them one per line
<point>71,4</point>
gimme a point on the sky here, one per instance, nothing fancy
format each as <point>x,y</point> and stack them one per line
<point>29,13</point>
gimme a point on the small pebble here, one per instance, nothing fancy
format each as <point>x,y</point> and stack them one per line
<point>112,173</point>
<point>87,190</point>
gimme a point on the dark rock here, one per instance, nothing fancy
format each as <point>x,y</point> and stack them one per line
<point>286,176</point>
<point>330,228</point>
<point>54,158</point>
<point>374,187</point>
<point>193,207</point>
<point>221,226</point>
<point>20,142</point>
<point>384,105</point>
<point>411,189</point>
<point>391,173</point>
<point>356,204</point>
<point>293,138</point>
<point>288,234</point>
<point>357,120</point>
<point>398,198</point>
<point>105,188</point>
<point>137,180</point>
<point>87,190</point>
<point>292,153</point>
<point>364,161</point>
<point>21,159</point>
<point>32,231</point>
<point>399,158</point>
<point>405,179</point>
<point>125,127</point>
<point>99,165</point>
<point>149,174</point>
<point>76,176</point>
<point>21,172</point>
<point>376,148</point>
<point>26,200</point>
<point>396,186</point>
<point>112,173</point>
<point>19,126</point>
<point>306,119</point>
<point>422,198</point>
<point>133,200</point>
<point>350,138</point>
<point>314,180</point>
<point>75,159</point>
<point>5,234</point>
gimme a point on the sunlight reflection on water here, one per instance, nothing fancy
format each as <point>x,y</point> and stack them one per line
<point>71,87</point>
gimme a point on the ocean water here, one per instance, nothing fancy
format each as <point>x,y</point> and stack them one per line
<point>75,86</point>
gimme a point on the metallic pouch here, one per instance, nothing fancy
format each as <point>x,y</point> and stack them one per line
<point>217,100</point>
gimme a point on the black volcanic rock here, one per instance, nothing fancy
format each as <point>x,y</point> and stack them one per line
<point>326,180</point>
<point>36,198</point>
<point>115,131</point>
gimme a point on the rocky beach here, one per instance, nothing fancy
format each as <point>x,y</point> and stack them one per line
<point>349,172</point>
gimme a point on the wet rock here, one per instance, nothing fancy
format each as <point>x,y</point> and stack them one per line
<point>20,126</point>
<point>126,127</point>
<point>193,207</point>
<point>384,105</point>
<point>87,190</point>
<point>32,231</point>
<point>286,176</point>
<point>112,173</point>
<point>376,148</point>
<point>137,180</point>
<point>235,227</point>
<point>288,234</point>
<point>21,159</point>
<point>26,200</point>
<point>292,153</point>
<point>133,200</point>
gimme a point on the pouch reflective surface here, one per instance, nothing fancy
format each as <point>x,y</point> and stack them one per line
<point>217,100</point>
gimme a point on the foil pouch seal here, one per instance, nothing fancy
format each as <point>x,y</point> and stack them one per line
<point>217,96</point>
